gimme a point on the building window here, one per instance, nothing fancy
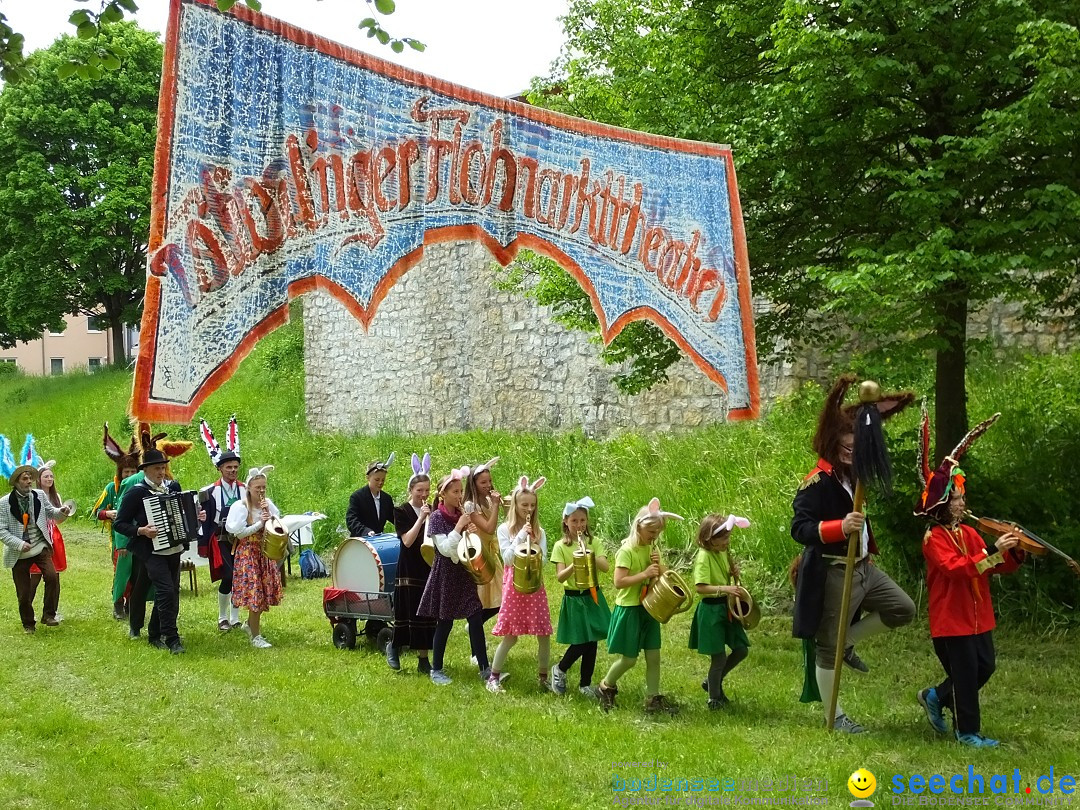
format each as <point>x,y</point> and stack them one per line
<point>93,364</point>
<point>96,323</point>
<point>56,365</point>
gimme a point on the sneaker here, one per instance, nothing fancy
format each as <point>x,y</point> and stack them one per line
<point>29,629</point>
<point>261,643</point>
<point>485,673</point>
<point>158,643</point>
<point>177,647</point>
<point>928,699</point>
<point>607,696</point>
<point>589,692</point>
<point>976,740</point>
<point>558,680</point>
<point>392,659</point>
<point>851,658</point>
<point>423,666</point>
<point>440,678</point>
<point>224,625</point>
<point>494,686</point>
<point>847,725</point>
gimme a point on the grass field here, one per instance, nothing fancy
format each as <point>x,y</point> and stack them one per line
<point>91,719</point>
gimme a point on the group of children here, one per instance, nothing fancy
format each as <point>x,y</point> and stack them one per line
<point>431,598</point>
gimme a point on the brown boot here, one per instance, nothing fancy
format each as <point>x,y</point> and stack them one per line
<point>658,704</point>
<point>607,696</point>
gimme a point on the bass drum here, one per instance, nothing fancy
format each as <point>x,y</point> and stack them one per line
<point>367,564</point>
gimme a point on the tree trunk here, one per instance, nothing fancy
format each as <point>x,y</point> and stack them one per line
<point>119,350</point>
<point>950,383</point>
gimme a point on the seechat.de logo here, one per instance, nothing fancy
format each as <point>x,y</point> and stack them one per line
<point>862,785</point>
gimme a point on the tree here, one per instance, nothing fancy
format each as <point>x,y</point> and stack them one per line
<point>76,162</point>
<point>901,164</point>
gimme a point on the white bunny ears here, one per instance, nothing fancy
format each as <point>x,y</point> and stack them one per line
<point>380,466</point>
<point>654,513</point>
<point>257,472</point>
<point>732,522</point>
<point>525,486</point>
<point>585,503</point>
<point>48,465</point>
<point>486,466</point>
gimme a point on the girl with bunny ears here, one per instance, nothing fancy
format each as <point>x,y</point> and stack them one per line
<point>632,629</point>
<point>713,629</point>
<point>410,520</point>
<point>584,616</point>
<point>522,614</point>
<point>450,592</point>
<point>483,501</point>
<point>256,579</point>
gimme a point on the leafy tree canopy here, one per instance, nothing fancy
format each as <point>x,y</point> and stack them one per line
<point>76,162</point>
<point>900,163</point>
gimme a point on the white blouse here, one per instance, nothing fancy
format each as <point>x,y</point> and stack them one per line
<point>508,545</point>
<point>237,524</point>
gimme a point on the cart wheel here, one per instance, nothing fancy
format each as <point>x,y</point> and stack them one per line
<point>344,635</point>
<point>385,636</point>
<point>372,629</point>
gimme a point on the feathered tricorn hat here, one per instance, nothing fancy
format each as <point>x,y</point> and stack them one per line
<point>938,485</point>
<point>837,419</point>
<point>128,459</point>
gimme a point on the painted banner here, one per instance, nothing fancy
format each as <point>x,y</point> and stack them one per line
<point>287,163</point>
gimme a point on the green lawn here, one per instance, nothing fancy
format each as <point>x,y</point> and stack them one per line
<point>91,719</point>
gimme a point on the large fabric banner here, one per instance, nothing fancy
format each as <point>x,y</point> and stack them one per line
<point>287,163</point>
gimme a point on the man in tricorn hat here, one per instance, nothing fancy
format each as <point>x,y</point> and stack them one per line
<point>160,568</point>
<point>27,541</point>
<point>824,518</point>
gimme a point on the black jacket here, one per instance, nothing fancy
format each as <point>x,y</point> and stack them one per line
<point>820,506</point>
<point>361,518</point>
<point>131,516</point>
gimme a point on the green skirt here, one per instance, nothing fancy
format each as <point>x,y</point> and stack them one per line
<point>581,620</point>
<point>632,630</point>
<point>712,631</point>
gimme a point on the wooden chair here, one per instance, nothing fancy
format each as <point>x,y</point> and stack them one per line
<point>193,579</point>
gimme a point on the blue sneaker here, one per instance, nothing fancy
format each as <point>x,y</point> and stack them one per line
<point>928,699</point>
<point>976,740</point>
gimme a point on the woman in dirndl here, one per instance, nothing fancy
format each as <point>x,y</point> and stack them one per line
<point>256,578</point>
<point>410,520</point>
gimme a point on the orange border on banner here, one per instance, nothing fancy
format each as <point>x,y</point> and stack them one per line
<point>158,411</point>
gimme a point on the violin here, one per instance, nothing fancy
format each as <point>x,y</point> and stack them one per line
<point>1029,541</point>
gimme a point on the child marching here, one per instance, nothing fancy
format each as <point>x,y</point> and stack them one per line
<point>583,615</point>
<point>714,629</point>
<point>632,629</point>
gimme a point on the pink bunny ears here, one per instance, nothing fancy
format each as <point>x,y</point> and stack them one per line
<point>655,513</point>
<point>460,474</point>
<point>421,467</point>
<point>732,522</point>
<point>525,486</point>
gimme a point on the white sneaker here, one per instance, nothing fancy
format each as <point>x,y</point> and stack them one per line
<point>494,686</point>
<point>261,643</point>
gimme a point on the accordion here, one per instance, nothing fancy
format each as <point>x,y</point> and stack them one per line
<point>176,517</point>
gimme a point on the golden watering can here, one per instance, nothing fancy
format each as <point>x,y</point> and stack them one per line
<point>275,542</point>
<point>478,558</point>
<point>668,594</point>
<point>528,568</point>
<point>584,567</point>
<point>743,608</point>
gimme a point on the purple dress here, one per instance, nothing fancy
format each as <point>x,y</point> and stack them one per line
<point>450,592</point>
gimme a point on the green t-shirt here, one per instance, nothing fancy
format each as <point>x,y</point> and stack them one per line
<point>635,559</point>
<point>564,553</point>
<point>711,568</point>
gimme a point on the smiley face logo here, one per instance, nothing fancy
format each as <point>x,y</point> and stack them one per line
<point>862,784</point>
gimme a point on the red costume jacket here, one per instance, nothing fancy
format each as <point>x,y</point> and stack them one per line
<point>958,571</point>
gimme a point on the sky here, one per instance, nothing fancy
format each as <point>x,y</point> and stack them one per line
<point>496,46</point>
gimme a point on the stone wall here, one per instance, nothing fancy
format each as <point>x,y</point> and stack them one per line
<point>448,352</point>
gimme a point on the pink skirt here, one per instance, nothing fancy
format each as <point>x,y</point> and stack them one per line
<point>522,614</point>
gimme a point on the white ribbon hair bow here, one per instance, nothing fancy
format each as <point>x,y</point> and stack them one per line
<point>585,503</point>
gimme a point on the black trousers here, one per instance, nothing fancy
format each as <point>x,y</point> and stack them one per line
<point>968,662</point>
<point>227,563</point>
<point>163,572</point>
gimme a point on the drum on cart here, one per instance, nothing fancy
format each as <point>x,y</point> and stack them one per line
<point>367,564</point>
